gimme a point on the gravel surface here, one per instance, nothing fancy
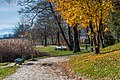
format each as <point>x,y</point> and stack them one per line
<point>42,69</point>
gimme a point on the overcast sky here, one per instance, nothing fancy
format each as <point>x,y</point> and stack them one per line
<point>8,18</point>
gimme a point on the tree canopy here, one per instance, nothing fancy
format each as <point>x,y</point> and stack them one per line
<point>83,11</point>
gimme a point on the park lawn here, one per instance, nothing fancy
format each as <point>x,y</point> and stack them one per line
<point>53,52</point>
<point>84,45</point>
<point>7,71</point>
<point>102,66</point>
<point>111,48</point>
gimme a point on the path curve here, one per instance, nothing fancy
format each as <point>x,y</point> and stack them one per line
<point>40,70</point>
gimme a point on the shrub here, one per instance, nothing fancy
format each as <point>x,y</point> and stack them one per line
<point>11,49</point>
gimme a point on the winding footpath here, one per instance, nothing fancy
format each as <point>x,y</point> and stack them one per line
<point>42,69</point>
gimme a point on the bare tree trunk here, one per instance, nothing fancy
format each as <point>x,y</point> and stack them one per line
<point>91,39</point>
<point>102,39</point>
<point>58,38</point>
<point>95,40</point>
<point>86,47</point>
<point>118,40</point>
<point>98,42</point>
<point>45,37</point>
<point>91,44</point>
<point>100,31</point>
<point>70,37</point>
<point>101,34</point>
<point>52,40</point>
<point>88,36</point>
<point>96,46</point>
<point>1,58</point>
<point>45,43</point>
<point>42,42</point>
<point>76,40</point>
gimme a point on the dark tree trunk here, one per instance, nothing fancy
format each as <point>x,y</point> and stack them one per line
<point>60,27</point>
<point>91,44</point>
<point>118,40</point>
<point>102,39</point>
<point>1,58</point>
<point>42,42</point>
<point>76,40</point>
<point>58,38</point>
<point>95,40</point>
<point>70,37</point>
<point>62,32</point>
<point>52,41</point>
<point>88,36</point>
<point>45,44</point>
<point>101,34</point>
<point>98,42</point>
<point>91,39</point>
<point>86,47</point>
<point>96,46</point>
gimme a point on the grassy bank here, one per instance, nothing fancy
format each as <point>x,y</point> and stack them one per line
<point>101,66</point>
<point>53,52</point>
<point>7,71</point>
<point>111,48</point>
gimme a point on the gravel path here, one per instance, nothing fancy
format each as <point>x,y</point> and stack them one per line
<point>43,69</point>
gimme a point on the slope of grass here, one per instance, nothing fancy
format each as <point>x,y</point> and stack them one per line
<point>7,71</point>
<point>111,48</point>
<point>53,52</point>
<point>101,66</point>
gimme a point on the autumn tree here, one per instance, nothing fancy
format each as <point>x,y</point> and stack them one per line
<point>92,13</point>
<point>76,47</point>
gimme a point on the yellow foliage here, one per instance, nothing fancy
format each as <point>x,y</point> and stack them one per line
<point>50,0</point>
<point>83,11</point>
<point>106,29</point>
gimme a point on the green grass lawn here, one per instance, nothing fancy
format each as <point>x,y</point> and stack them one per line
<point>111,48</point>
<point>84,45</point>
<point>101,66</point>
<point>7,71</point>
<point>53,52</point>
